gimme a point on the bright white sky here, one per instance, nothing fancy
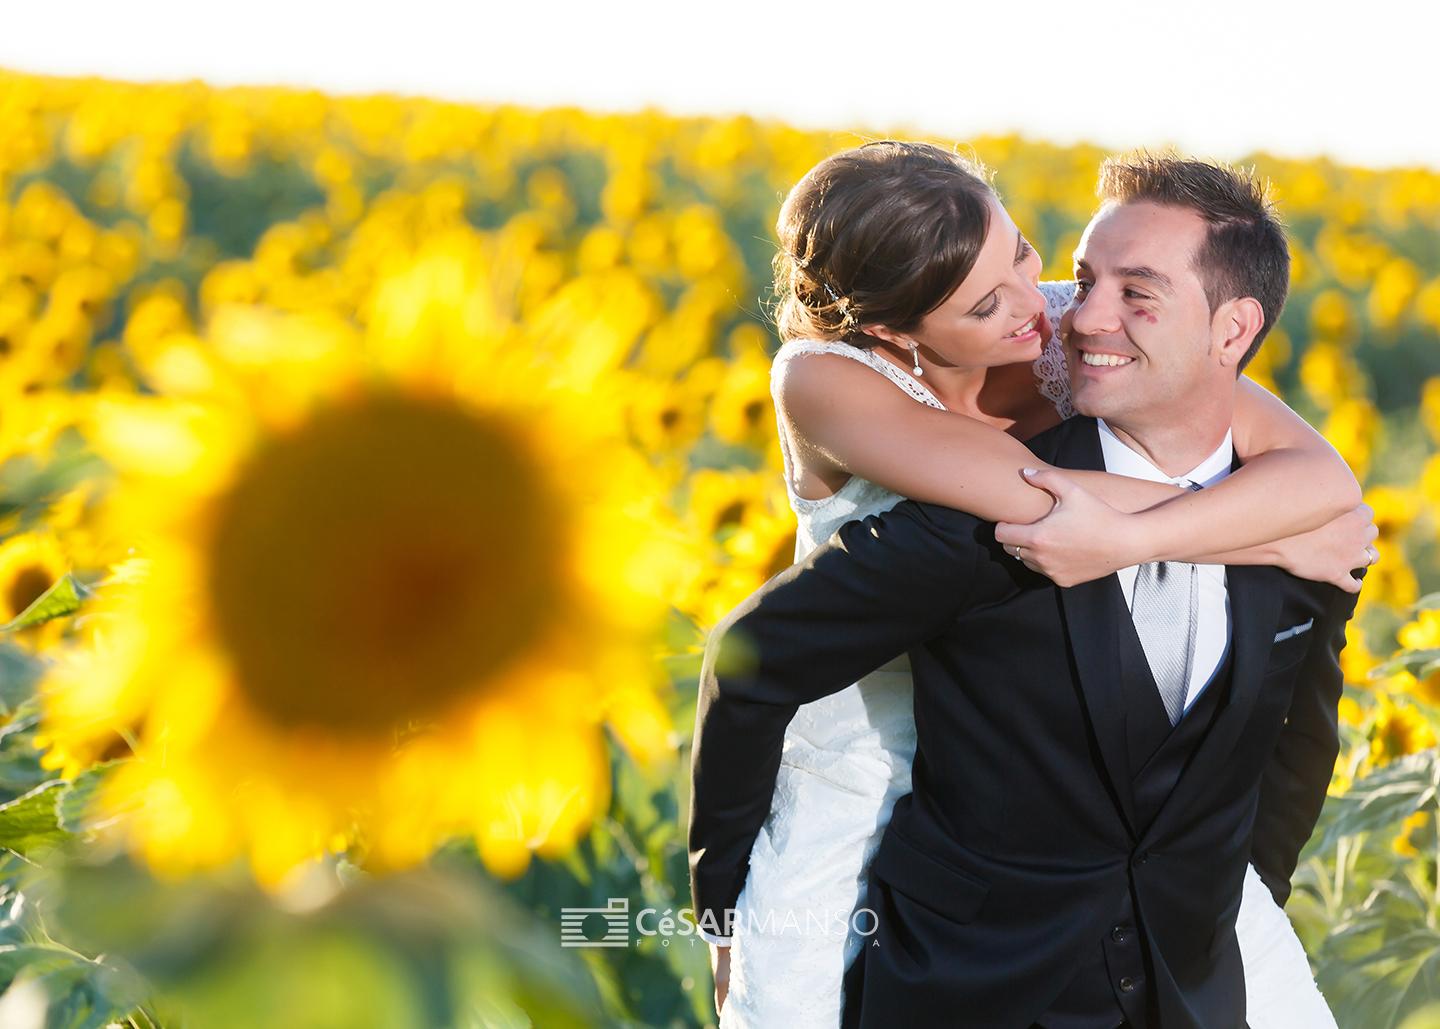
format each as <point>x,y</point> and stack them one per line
<point>1356,79</point>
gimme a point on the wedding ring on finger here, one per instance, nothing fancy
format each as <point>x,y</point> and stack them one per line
<point>1372,554</point>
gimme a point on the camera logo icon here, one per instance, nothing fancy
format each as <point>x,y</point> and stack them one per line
<point>596,927</point>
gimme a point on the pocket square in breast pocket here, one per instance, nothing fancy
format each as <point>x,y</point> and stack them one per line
<point>1294,630</point>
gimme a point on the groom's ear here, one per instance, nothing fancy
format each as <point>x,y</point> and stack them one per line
<point>1234,327</point>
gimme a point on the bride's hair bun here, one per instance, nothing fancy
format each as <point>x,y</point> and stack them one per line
<point>878,235</point>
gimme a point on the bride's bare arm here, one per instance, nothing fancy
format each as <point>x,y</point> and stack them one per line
<point>850,421</point>
<point>847,420</point>
<point>1281,457</point>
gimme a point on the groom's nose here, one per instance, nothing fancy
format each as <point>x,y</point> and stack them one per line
<point>1097,315</point>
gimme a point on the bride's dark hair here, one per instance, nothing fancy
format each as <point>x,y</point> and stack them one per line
<point>878,235</point>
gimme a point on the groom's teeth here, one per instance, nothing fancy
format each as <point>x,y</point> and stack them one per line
<point>1104,360</point>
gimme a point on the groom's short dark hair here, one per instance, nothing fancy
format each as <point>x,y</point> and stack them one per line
<point>1245,253</point>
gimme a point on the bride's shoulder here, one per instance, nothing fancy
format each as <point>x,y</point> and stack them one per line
<point>811,372</point>
<point>811,353</point>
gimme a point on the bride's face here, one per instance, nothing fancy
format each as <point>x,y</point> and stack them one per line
<point>995,317</point>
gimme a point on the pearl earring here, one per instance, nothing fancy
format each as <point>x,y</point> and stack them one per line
<point>915,356</point>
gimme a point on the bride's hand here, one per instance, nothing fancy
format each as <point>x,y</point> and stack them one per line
<point>720,968</point>
<point>1329,553</point>
<point>1082,538</point>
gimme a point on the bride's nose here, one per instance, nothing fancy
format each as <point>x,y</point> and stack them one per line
<point>1032,298</point>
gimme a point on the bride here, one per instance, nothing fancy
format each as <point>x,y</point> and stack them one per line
<point>898,259</point>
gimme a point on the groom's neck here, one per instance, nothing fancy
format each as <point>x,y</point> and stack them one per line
<point>1179,442</point>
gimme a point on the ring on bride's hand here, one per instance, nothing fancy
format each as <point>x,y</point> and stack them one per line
<point>1372,554</point>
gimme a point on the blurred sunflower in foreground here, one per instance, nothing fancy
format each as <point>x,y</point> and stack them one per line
<point>384,584</point>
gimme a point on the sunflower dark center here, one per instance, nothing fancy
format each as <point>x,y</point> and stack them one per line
<point>381,562</point>
<point>26,587</point>
<point>731,514</point>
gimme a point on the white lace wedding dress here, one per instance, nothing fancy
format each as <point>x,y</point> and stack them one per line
<point>847,760</point>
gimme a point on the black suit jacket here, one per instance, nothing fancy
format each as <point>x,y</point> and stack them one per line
<point>999,874</point>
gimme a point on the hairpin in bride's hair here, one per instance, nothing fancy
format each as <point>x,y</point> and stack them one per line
<point>848,320</point>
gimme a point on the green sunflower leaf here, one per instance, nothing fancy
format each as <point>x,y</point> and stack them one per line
<point>19,672</point>
<point>59,600</point>
<point>32,820</point>
<point>1385,797</point>
<point>72,804</point>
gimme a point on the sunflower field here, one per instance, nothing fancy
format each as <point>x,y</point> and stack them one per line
<point>370,471</point>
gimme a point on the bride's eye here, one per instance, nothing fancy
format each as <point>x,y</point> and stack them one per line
<point>989,312</point>
<point>1025,250</point>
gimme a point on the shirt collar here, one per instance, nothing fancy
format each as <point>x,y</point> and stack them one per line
<point>1122,460</point>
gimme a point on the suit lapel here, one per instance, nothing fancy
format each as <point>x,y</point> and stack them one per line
<point>1090,624</point>
<point>1255,599</point>
<point>1094,637</point>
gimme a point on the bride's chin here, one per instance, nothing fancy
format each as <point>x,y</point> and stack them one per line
<point>1028,354</point>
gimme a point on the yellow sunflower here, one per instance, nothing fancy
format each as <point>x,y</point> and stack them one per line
<point>397,579</point>
<point>747,518</point>
<point>1392,580</point>
<point>1356,659</point>
<point>1411,838</point>
<point>1398,731</point>
<point>667,415</point>
<point>30,563</point>
<point>743,412</point>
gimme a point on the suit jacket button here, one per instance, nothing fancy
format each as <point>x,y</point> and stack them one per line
<point>1141,858</point>
<point>1118,934</point>
<point>1127,984</point>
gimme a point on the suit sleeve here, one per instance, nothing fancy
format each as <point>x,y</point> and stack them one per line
<point>1294,783</point>
<point>875,590</point>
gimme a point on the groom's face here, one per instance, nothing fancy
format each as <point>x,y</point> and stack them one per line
<point>1139,331</point>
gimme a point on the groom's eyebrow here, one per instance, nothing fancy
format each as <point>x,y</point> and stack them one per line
<point>1159,280</point>
<point>1150,275</point>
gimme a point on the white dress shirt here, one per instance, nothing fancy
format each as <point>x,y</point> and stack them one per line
<point>1212,633</point>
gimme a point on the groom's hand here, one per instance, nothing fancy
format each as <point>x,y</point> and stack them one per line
<point>720,968</point>
<point>1082,538</point>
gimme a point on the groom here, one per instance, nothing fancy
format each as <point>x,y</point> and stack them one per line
<point>1096,765</point>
